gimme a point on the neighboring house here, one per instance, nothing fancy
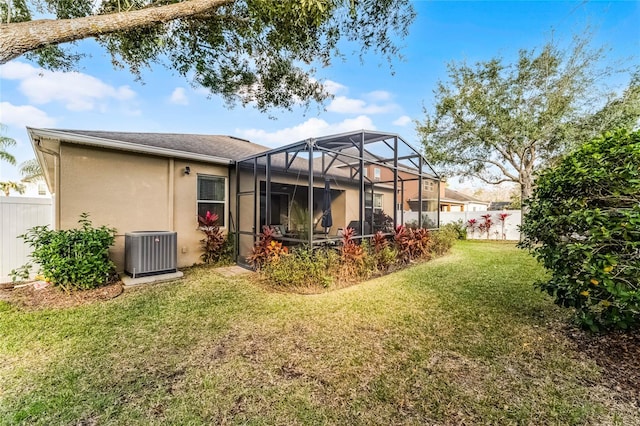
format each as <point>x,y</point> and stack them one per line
<point>449,200</point>
<point>407,184</point>
<point>454,201</point>
<point>159,181</point>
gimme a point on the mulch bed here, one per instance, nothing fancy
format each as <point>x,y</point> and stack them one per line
<point>31,298</point>
<point>617,354</point>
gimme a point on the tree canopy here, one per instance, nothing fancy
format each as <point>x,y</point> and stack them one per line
<point>501,122</point>
<point>259,51</point>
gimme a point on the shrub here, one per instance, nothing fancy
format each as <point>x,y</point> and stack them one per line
<point>266,249</point>
<point>403,241</point>
<point>382,221</point>
<point>303,268</point>
<point>73,258</point>
<point>460,228</point>
<point>427,222</point>
<point>412,244</point>
<point>422,244</point>
<point>443,239</point>
<point>584,226</point>
<point>352,256</point>
<point>215,245</point>
<point>381,253</point>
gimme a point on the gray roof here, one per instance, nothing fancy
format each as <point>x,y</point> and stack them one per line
<point>227,147</point>
<point>453,195</point>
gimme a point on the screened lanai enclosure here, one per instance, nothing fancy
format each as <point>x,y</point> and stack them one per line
<point>309,192</point>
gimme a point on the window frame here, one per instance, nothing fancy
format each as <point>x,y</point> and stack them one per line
<point>377,196</point>
<point>428,185</point>
<point>224,202</point>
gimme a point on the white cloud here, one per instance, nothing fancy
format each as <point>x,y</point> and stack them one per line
<point>77,91</point>
<point>378,96</point>
<point>333,87</point>
<point>24,115</point>
<point>402,121</point>
<point>310,128</point>
<point>179,97</point>
<point>344,105</point>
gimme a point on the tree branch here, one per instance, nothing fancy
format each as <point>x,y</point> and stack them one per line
<point>492,182</point>
<point>503,169</point>
<point>19,38</point>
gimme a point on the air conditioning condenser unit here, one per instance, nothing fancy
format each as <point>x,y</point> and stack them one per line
<point>150,253</point>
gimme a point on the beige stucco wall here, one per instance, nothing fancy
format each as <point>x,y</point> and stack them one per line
<point>132,192</point>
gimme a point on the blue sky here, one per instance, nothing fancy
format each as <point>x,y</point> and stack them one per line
<point>367,95</point>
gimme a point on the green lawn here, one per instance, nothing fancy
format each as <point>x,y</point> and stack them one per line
<point>463,339</point>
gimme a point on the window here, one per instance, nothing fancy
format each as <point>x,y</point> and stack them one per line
<point>365,172</point>
<point>399,206</point>
<point>377,202</point>
<point>428,185</point>
<point>376,173</point>
<point>212,192</point>
<point>42,189</point>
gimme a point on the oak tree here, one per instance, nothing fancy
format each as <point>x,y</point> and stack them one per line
<point>501,122</point>
<point>260,51</point>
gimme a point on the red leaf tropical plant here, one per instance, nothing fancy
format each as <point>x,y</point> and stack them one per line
<point>422,244</point>
<point>486,225</point>
<point>472,225</point>
<point>383,254</point>
<point>502,217</point>
<point>266,249</point>
<point>214,240</point>
<point>352,255</point>
<point>404,242</point>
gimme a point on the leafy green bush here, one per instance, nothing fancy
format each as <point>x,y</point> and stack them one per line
<point>302,268</point>
<point>460,227</point>
<point>584,226</point>
<point>381,254</point>
<point>73,258</point>
<point>442,239</point>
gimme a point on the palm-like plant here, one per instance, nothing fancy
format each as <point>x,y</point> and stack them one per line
<point>6,142</point>
<point>31,171</point>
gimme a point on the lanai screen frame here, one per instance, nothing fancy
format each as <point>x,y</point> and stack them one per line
<point>333,148</point>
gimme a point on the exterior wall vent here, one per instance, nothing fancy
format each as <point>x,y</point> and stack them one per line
<point>150,253</point>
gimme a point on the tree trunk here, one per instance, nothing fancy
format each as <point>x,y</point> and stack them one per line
<point>526,190</point>
<point>19,38</point>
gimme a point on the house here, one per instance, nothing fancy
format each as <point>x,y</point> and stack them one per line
<point>454,201</point>
<point>161,181</point>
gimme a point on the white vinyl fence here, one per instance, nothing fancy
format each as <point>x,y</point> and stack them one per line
<point>17,215</point>
<point>511,223</point>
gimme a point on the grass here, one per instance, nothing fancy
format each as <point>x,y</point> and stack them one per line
<point>463,339</point>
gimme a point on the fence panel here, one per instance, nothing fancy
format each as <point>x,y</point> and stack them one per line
<point>17,214</point>
<point>511,223</point>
